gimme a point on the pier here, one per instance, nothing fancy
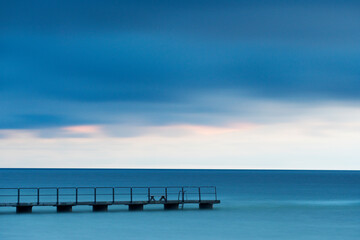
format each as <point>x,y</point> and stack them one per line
<point>100,198</point>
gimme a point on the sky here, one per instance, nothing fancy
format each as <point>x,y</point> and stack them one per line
<point>180,84</point>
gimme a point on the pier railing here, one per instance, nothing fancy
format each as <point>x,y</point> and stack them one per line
<point>54,196</point>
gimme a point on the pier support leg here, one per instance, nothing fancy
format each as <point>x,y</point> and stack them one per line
<point>205,205</point>
<point>100,208</point>
<point>23,209</point>
<point>65,208</point>
<point>171,206</point>
<point>136,207</point>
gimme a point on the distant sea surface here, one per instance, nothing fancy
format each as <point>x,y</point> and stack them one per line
<point>255,204</point>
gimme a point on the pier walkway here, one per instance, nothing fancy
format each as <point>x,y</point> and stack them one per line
<point>65,198</point>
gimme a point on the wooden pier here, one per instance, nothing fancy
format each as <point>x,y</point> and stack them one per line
<point>100,198</point>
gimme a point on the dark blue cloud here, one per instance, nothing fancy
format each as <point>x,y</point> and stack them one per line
<point>317,20</point>
<point>90,53</point>
<point>33,121</point>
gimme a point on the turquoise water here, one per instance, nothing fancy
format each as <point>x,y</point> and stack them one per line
<point>255,205</point>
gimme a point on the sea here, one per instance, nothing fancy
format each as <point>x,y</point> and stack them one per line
<point>255,204</point>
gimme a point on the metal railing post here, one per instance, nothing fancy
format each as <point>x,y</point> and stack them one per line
<point>76,195</point>
<point>38,196</point>
<point>199,194</point>
<point>131,195</point>
<point>57,196</point>
<point>215,194</point>
<point>166,195</point>
<point>148,194</point>
<point>182,193</point>
<point>18,195</point>
<point>113,190</point>
<point>94,195</point>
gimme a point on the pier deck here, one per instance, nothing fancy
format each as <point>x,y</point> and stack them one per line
<point>64,198</point>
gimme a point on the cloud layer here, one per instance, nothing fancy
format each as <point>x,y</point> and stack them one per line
<point>92,62</point>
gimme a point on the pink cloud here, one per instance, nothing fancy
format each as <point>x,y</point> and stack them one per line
<point>204,130</point>
<point>83,129</point>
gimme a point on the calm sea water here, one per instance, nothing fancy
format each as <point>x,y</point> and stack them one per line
<point>255,205</point>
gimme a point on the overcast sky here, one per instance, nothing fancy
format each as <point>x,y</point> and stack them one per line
<point>180,84</point>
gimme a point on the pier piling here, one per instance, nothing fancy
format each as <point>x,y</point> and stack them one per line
<point>171,206</point>
<point>100,208</point>
<point>23,209</point>
<point>64,208</point>
<point>205,206</point>
<point>136,207</point>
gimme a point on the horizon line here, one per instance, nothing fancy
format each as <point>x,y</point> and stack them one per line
<point>190,169</point>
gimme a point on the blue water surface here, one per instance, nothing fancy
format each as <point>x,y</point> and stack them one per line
<point>255,204</point>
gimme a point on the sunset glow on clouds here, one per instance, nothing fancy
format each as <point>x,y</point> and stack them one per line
<point>305,142</point>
